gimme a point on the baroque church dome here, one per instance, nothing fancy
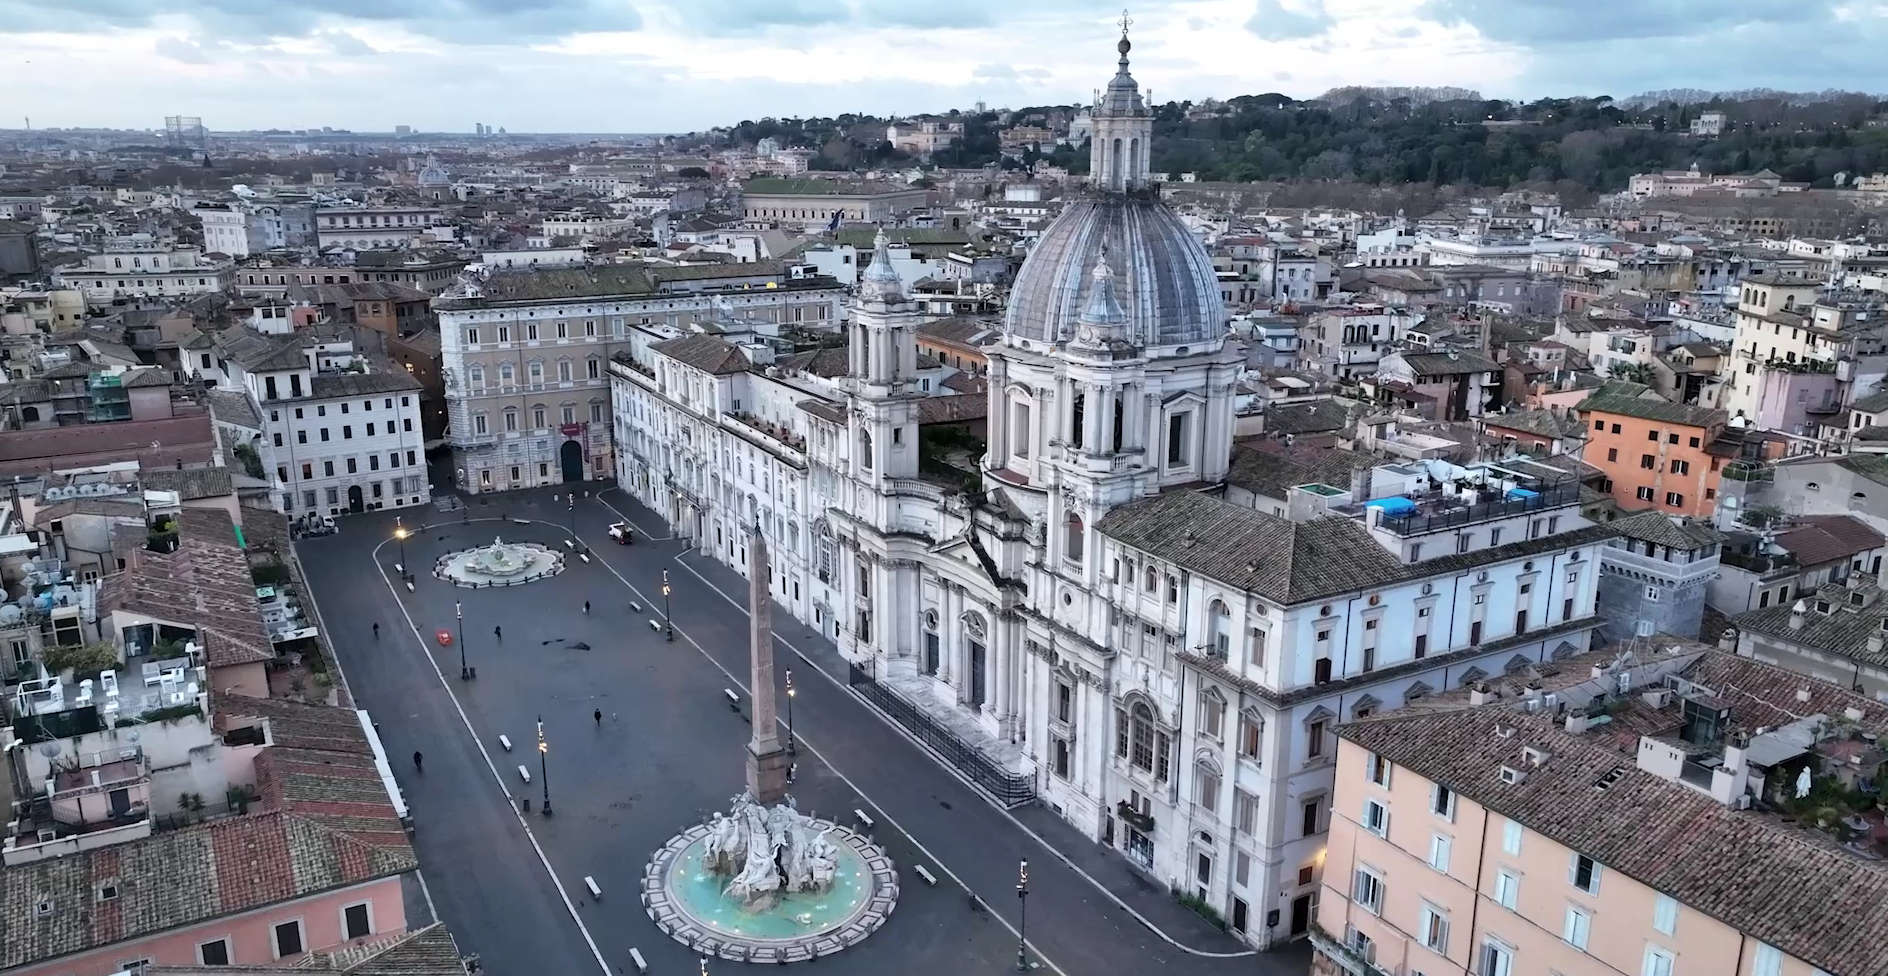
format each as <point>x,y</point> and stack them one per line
<point>1162,275</point>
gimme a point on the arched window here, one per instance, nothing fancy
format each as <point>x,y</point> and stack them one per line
<point>1072,550</point>
<point>29,414</point>
<point>1212,718</point>
<point>1114,166</point>
<point>1134,158</point>
<point>1219,628</point>
<point>1153,580</point>
<point>535,370</point>
<point>1206,784</point>
<point>505,374</point>
<point>865,449</point>
<point>476,376</point>
<point>1141,719</point>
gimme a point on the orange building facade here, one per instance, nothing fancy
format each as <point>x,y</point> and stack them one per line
<point>1656,454</point>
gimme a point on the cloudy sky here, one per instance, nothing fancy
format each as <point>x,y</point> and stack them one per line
<point>673,65</point>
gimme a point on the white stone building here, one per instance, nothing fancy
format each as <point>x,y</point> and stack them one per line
<point>366,228</point>
<point>143,270</point>
<point>1091,622</point>
<point>337,435</point>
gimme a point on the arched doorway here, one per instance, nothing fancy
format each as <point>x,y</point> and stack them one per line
<point>354,502</point>
<point>570,455</point>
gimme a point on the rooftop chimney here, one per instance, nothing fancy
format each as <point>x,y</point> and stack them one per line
<point>1796,615</point>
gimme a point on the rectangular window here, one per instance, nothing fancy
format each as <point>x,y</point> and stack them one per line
<point>288,939</point>
<point>1249,734</point>
<point>1440,846</point>
<point>1507,889</point>
<point>1674,499</point>
<point>1642,493</point>
<point>1309,816</point>
<point>1658,962</point>
<point>1434,932</point>
<point>1647,461</point>
<point>1442,802</point>
<point>1497,960</point>
<point>1768,961</point>
<point>1665,915</point>
<point>354,920</point>
<point>1575,929</point>
<point>1584,873</point>
<point>213,953</point>
<point>1367,891</point>
<point>1377,769</point>
<point>1245,809</point>
<point>1376,818</point>
<point>1176,440</point>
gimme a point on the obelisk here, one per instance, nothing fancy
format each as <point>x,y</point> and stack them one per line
<point>766,756</point>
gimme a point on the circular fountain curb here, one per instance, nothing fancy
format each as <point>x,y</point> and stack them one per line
<point>669,915</point>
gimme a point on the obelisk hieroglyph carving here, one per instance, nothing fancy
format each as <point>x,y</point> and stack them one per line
<point>766,756</point>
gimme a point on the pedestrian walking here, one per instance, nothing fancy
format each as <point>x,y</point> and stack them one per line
<point>419,762</point>
<point>586,608</point>
<point>376,630</point>
<point>596,715</point>
<point>498,632</point>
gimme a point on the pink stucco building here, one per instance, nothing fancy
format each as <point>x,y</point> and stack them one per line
<point>1615,816</point>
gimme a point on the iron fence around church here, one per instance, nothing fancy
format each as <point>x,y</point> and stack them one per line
<point>1007,788</point>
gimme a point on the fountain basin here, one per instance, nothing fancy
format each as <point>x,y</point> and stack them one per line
<point>688,901</point>
<point>499,564</point>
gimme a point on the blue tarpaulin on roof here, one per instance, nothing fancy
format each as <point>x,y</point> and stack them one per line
<point>1514,493</point>
<point>1393,505</point>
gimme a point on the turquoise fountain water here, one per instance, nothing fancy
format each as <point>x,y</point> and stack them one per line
<point>791,916</point>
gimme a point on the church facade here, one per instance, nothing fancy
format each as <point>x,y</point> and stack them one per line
<point>1166,669</point>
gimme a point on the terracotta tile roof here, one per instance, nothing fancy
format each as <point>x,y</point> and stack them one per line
<point>178,878</point>
<point>1663,530</point>
<point>704,352</point>
<point>1652,408</point>
<point>1292,562</point>
<point>1818,539</point>
<point>205,584</point>
<point>1783,885</point>
<point>1269,468</point>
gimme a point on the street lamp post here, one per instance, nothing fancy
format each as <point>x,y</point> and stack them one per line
<point>1022,912</point>
<point>400,533</point>
<point>544,776</point>
<point>571,498</point>
<point>793,748</point>
<point>667,620</point>
<point>458,616</point>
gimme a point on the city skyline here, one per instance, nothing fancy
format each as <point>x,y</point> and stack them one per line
<point>607,66</point>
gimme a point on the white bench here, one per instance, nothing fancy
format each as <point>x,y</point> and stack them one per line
<point>635,956</point>
<point>505,740</point>
<point>591,883</point>
<point>655,625</point>
<point>524,773</point>
<point>864,819</point>
<point>922,872</point>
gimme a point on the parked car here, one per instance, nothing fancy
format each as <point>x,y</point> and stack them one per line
<point>622,533</point>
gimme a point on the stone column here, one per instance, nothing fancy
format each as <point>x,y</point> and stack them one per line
<point>996,659</point>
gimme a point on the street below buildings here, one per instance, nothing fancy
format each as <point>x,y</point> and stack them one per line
<point>668,752</point>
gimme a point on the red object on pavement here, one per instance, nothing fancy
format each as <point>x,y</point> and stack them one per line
<point>445,637</point>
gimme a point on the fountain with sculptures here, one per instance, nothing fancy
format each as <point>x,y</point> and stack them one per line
<point>765,882</point>
<point>499,564</point>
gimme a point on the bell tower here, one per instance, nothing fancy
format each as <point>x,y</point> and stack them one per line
<point>1123,127</point>
<point>882,374</point>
